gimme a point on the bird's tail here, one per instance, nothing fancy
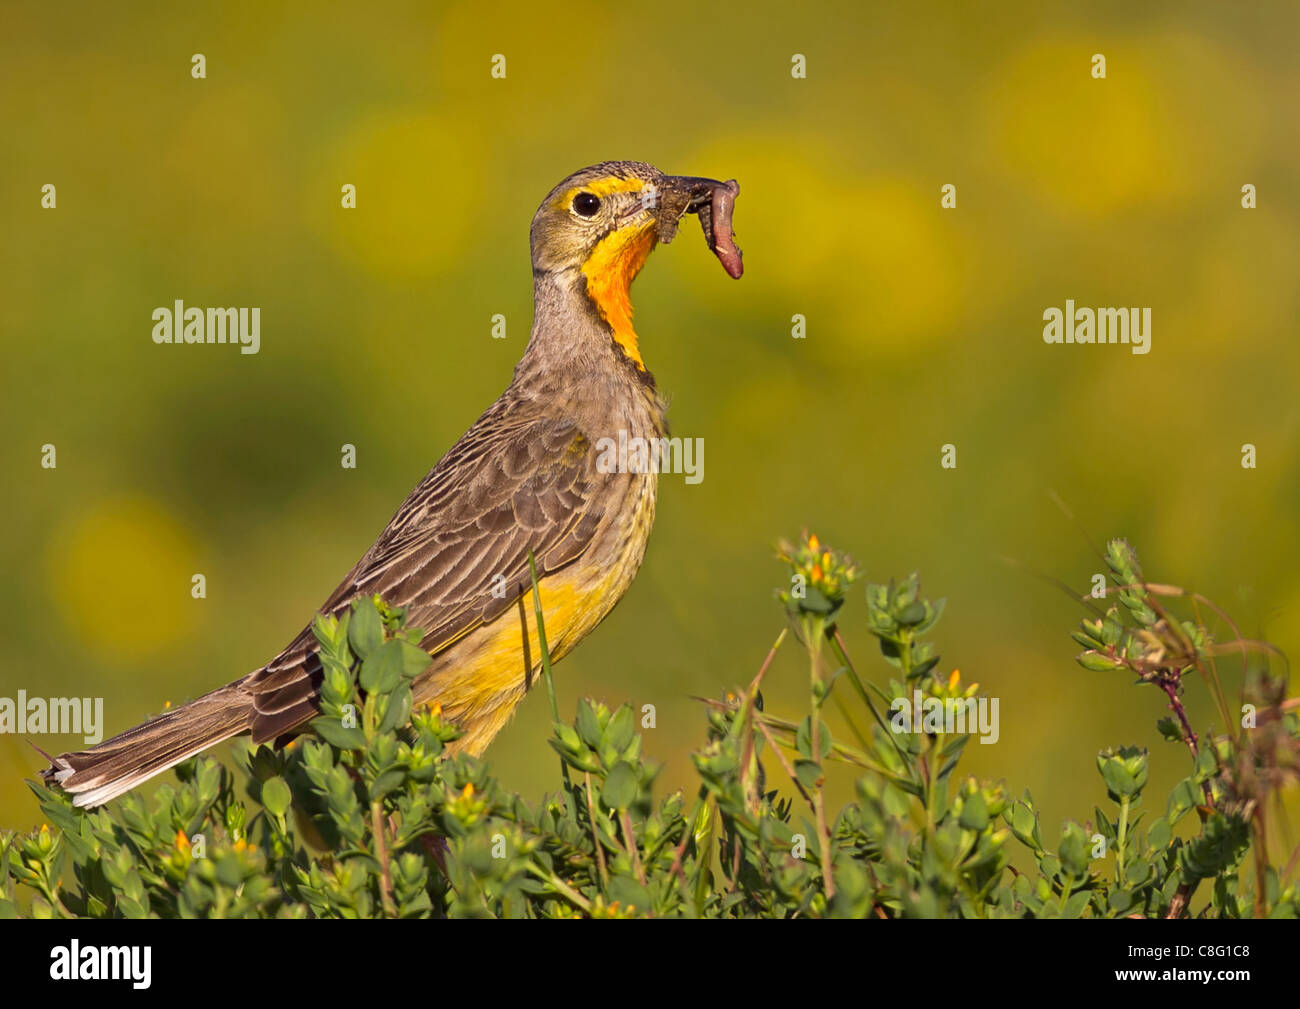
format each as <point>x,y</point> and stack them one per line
<point>117,765</point>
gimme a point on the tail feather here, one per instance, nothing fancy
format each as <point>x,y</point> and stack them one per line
<point>117,765</point>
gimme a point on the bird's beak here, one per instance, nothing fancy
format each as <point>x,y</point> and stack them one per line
<point>713,202</point>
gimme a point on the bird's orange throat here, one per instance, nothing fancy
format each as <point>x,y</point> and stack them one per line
<point>610,270</point>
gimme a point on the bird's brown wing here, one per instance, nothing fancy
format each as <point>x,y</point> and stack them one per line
<point>512,484</point>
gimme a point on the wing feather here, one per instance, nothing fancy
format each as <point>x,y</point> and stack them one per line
<point>512,484</point>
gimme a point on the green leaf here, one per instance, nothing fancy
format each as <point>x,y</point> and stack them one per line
<point>567,736</point>
<point>588,726</point>
<point>1087,640</point>
<point>382,669</point>
<point>1160,835</point>
<point>1206,765</point>
<point>1024,823</point>
<point>398,709</point>
<point>276,796</point>
<point>1118,779</point>
<point>809,772</point>
<point>620,787</point>
<point>1095,662</point>
<point>1073,851</point>
<point>913,613</point>
<point>366,629</point>
<point>1137,872</point>
<point>629,893</point>
<point>1077,903</point>
<point>386,782</point>
<point>974,812</point>
<point>803,739</point>
<point>584,761</point>
<point>332,731</point>
<point>325,629</point>
<point>415,659</point>
<point>1184,798</point>
<point>621,729</point>
<point>816,601</point>
<point>229,870</point>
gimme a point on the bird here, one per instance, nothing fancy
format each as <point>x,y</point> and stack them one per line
<point>525,481</point>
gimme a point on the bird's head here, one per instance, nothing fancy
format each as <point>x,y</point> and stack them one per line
<point>595,230</point>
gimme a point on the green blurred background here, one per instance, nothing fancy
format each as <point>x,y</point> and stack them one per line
<point>924,327</point>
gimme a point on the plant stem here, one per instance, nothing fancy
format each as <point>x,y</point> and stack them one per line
<point>936,755</point>
<point>1065,890</point>
<point>1119,844</point>
<point>742,722</point>
<point>541,639</point>
<point>814,635</point>
<point>1261,860</point>
<point>595,835</point>
<point>680,851</point>
<point>560,887</point>
<point>785,764</point>
<point>841,652</point>
<point>704,851</point>
<point>630,838</point>
<point>546,659</point>
<point>381,853</point>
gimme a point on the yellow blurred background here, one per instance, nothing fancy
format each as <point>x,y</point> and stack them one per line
<point>924,327</point>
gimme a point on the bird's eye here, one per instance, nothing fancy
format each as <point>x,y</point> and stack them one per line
<point>586,204</point>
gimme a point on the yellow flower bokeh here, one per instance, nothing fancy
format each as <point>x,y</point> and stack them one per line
<point>119,573</point>
<point>419,192</point>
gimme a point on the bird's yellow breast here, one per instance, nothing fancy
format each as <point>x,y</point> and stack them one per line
<point>481,681</point>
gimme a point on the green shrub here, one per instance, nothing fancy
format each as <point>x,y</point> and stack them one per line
<point>369,816</point>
